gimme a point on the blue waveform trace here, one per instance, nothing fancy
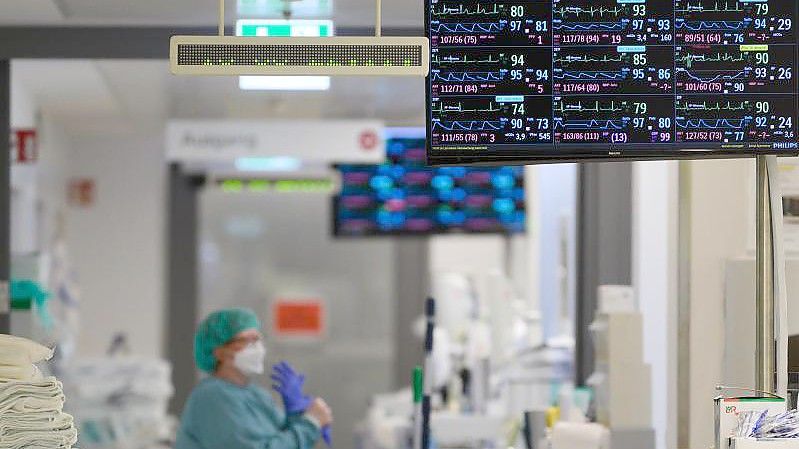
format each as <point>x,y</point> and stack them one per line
<point>468,76</point>
<point>595,26</point>
<point>484,27</point>
<point>740,75</point>
<point>602,125</point>
<point>591,76</point>
<point>469,125</point>
<point>713,25</point>
<point>722,123</point>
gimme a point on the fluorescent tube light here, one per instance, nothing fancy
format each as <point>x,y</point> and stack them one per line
<point>283,28</point>
<point>298,83</point>
<point>275,163</point>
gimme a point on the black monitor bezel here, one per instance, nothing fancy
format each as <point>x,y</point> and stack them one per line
<point>551,155</point>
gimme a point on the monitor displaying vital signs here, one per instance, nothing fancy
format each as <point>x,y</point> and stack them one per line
<point>403,196</point>
<point>526,80</point>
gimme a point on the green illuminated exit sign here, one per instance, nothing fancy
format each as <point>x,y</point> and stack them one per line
<point>276,8</point>
<point>284,28</point>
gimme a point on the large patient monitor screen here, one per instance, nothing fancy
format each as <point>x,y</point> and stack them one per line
<point>573,79</point>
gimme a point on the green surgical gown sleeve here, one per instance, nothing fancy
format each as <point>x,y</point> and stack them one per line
<point>229,417</point>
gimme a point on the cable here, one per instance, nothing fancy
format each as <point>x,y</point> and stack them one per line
<point>725,387</point>
<point>378,19</point>
<point>221,18</point>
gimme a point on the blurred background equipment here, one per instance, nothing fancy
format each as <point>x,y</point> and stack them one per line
<point>120,401</point>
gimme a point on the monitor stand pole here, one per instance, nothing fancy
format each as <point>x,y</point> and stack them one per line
<point>765,353</point>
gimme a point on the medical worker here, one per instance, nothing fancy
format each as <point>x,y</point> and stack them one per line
<point>228,410</point>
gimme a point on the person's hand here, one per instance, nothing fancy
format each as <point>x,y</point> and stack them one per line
<point>321,412</point>
<point>289,384</point>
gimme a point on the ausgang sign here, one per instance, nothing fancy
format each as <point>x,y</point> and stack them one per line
<point>309,141</point>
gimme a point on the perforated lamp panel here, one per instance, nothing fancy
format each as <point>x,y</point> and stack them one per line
<point>199,55</point>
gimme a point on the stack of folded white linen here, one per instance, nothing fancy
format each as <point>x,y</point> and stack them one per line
<point>120,401</point>
<point>31,405</point>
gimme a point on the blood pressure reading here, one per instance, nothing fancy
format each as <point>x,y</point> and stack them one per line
<point>559,77</point>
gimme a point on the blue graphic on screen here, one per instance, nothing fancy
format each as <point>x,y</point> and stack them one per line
<point>404,196</point>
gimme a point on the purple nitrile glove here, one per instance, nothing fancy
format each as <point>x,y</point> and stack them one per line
<point>289,383</point>
<point>327,435</point>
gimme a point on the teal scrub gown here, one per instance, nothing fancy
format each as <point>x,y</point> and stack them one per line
<point>221,415</point>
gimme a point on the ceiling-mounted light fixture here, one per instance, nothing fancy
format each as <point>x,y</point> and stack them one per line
<point>291,83</point>
<point>305,9</point>
<point>284,28</point>
<point>271,163</point>
<point>231,55</point>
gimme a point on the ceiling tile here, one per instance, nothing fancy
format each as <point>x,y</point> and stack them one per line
<point>66,89</point>
<point>17,12</point>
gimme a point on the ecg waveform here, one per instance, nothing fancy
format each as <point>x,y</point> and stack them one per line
<point>468,28</point>
<point>592,12</point>
<point>586,26</point>
<point>468,76</point>
<point>459,108</point>
<point>464,60</point>
<point>587,59</point>
<point>716,7</point>
<point>709,106</point>
<point>564,107</point>
<point>741,75</point>
<point>689,59</point>
<point>469,125</point>
<point>602,125</point>
<point>713,25</point>
<point>590,76</point>
<point>467,11</point>
<point>722,123</point>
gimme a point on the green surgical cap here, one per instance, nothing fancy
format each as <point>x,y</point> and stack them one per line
<point>218,329</point>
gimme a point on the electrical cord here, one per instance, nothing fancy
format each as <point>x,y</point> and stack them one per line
<point>768,393</point>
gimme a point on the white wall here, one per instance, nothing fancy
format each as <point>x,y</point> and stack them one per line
<point>37,189</point>
<point>719,231</point>
<point>117,244</point>
<point>24,238</point>
<point>55,153</point>
<point>655,221</point>
<point>471,254</point>
<point>557,206</point>
<point>23,109</point>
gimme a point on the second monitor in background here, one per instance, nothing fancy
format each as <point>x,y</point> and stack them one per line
<point>404,196</point>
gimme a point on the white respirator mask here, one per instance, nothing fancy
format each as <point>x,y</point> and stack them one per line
<point>250,360</point>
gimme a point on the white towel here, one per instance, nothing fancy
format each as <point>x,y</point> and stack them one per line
<point>44,385</point>
<point>21,351</point>
<point>12,422</point>
<point>31,405</point>
<point>19,372</point>
<point>25,397</point>
<point>47,439</point>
